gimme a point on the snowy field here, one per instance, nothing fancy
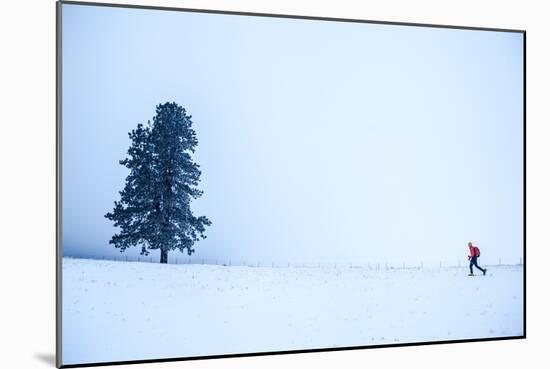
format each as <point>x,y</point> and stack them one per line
<point>116,311</point>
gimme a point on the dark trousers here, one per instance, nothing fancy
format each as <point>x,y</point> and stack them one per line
<point>473,262</point>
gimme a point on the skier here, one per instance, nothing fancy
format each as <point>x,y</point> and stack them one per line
<point>474,254</point>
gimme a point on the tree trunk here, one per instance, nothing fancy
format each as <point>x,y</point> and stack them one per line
<point>163,256</point>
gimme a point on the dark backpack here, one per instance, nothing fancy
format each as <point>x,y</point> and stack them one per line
<point>477,253</point>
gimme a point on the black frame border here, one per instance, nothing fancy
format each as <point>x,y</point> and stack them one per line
<point>59,110</point>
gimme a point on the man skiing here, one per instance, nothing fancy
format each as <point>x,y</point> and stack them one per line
<point>474,254</point>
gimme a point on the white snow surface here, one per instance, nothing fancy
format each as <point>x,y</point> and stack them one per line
<point>116,311</point>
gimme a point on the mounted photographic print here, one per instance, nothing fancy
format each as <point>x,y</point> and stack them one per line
<point>241,184</point>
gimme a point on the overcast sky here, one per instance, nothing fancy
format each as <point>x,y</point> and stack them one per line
<point>318,141</point>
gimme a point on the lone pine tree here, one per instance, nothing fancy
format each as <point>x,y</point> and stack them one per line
<point>154,210</point>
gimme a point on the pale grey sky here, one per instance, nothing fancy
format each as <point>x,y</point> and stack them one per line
<point>318,141</point>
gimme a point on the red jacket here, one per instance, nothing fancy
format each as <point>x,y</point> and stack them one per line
<point>474,251</point>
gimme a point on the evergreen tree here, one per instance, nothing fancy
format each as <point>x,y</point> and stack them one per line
<point>154,210</point>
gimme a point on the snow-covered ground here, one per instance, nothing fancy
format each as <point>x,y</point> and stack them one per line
<point>116,311</point>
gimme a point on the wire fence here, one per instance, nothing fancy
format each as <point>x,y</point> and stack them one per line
<point>182,260</point>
